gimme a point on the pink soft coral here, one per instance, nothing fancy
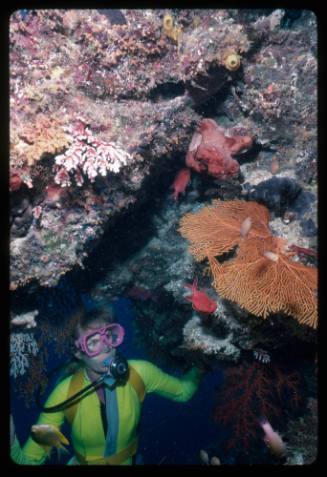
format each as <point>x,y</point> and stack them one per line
<point>211,150</point>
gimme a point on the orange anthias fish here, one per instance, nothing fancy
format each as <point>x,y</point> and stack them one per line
<point>181,182</point>
<point>200,300</point>
<point>49,436</point>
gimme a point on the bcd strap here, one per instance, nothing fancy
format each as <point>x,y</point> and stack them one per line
<point>137,382</point>
<point>114,459</point>
<point>76,384</point>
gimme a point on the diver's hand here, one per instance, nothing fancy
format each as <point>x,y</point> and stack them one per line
<point>12,430</point>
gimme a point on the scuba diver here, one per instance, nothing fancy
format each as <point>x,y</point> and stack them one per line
<point>101,401</point>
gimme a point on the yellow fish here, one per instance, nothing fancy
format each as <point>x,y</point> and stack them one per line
<point>49,436</point>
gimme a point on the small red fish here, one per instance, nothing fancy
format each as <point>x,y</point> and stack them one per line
<point>200,300</point>
<point>181,181</point>
<point>303,250</point>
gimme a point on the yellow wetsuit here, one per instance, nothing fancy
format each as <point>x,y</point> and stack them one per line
<point>87,433</point>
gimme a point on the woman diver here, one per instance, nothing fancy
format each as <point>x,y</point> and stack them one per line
<point>101,401</point>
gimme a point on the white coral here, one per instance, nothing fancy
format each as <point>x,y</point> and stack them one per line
<point>88,155</point>
<point>22,345</point>
<point>26,319</point>
<point>198,337</point>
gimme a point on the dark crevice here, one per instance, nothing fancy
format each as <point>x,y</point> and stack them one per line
<point>167,91</point>
<point>250,155</point>
<point>120,240</point>
<point>209,108</point>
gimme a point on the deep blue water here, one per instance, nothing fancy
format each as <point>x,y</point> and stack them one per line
<point>170,432</point>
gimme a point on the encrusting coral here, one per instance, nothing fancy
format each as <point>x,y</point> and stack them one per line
<point>262,278</point>
<point>45,135</point>
<point>30,141</point>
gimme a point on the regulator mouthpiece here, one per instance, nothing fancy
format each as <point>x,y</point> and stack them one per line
<point>117,367</point>
<point>106,362</point>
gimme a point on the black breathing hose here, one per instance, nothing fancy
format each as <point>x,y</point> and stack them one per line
<point>118,370</point>
<point>64,404</point>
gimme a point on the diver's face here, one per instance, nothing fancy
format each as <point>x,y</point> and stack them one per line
<point>95,363</point>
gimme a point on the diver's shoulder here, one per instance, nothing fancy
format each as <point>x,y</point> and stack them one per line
<point>137,362</point>
<point>59,391</point>
<point>141,365</point>
<point>65,382</point>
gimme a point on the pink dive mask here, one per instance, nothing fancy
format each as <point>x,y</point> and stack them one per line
<point>96,341</point>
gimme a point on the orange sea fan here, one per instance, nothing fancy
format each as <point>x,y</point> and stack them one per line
<point>216,229</point>
<point>262,278</point>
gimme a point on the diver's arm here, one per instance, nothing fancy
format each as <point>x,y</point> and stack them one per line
<point>21,457</point>
<point>177,389</point>
<point>15,449</point>
<point>32,453</point>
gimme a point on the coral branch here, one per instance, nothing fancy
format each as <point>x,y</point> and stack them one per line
<point>87,156</point>
<point>22,345</point>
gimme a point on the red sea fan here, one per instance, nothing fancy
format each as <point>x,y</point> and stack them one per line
<point>249,392</point>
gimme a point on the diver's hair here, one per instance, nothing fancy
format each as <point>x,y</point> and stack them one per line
<point>85,318</point>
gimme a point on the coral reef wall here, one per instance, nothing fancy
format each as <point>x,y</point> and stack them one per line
<point>134,99</point>
<point>106,108</point>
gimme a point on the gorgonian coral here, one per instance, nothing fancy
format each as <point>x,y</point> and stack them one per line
<point>261,277</point>
<point>252,391</point>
